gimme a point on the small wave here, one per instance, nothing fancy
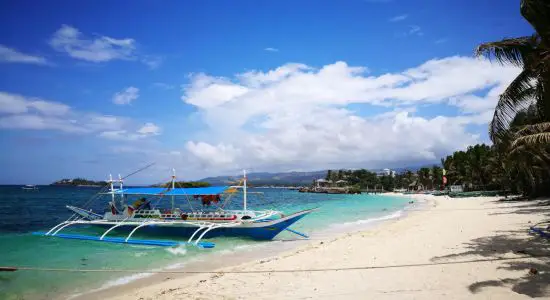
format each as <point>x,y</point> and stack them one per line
<point>391,216</point>
<point>175,266</point>
<point>180,250</point>
<point>125,280</point>
<point>121,281</point>
<point>247,247</point>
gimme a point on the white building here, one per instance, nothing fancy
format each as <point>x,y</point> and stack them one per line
<point>386,172</point>
<point>456,189</point>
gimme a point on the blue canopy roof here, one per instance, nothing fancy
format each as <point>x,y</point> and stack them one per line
<point>212,190</point>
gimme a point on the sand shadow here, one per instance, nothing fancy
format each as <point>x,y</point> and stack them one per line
<point>530,207</point>
<point>535,282</point>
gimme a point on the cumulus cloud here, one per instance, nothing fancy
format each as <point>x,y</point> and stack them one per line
<point>10,55</point>
<point>22,112</point>
<point>126,96</point>
<point>71,41</point>
<point>297,115</point>
<point>270,49</point>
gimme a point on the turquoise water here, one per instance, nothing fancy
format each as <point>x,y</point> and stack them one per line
<point>22,212</point>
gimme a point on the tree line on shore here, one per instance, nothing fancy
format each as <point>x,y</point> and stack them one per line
<point>186,184</point>
<point>79,181</point>
<point>478,168</point>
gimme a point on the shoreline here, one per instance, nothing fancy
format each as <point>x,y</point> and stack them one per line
<point>457,248</point>
<point>259,253</point>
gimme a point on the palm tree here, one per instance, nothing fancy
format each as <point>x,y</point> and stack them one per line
<point>532,54</point>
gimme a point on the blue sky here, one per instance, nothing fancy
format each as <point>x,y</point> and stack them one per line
<point>210,87</point>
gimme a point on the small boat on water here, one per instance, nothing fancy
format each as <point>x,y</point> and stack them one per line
<point>194,225</point>
<point>30,187</point>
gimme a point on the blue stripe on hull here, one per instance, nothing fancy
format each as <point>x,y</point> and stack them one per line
<point>120,240</point>
<point>259,233</point>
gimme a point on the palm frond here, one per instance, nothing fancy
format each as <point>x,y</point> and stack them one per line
<point>519,95</point>
<point>534,128</point>
<point>513,51</point>
<point>532,135</point>
<point>537,13</point>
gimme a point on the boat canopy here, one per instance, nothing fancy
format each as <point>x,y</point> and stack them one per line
<point>212,190</point>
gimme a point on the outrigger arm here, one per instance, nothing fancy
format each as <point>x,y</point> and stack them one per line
<point>213,226</point>
<point>109,230</point>
<point>65,224</point>
<point>196,231</point>
<point>55,227</point>
<point>138,227</point>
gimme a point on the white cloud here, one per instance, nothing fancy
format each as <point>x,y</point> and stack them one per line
<point>470,103</point>
<point>13,103</point>
<point>297,116</point>
<point>49,108</point>
<point>441,41</point>
<point>39,122</point>
<point>126,96</point>
<point>207,91</point>
<point>152,61</point>
<point>220,154</point>
<point>21,112</point>
<point>270,49</point>
<point>149,129</point>
<point>70,40</point>
<point>10,55</point>
<point>398,18</point>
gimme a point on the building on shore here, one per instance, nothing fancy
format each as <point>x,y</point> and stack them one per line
<point>386,172</point>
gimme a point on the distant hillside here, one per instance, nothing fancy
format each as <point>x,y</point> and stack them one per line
<point>282,178</point>
<point>264,178</point>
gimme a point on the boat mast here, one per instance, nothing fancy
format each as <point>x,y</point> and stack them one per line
<point>173,186</point>
<point>112,189</point>
<point>121,193</point>
<point>244,190</point>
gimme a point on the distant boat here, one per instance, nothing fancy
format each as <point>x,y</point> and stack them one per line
<point>30,187</point>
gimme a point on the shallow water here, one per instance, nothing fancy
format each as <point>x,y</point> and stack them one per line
<point>22,212</point>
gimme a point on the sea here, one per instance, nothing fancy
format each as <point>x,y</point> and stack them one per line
<point>25,211</point>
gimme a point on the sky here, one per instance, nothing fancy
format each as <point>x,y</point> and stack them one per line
<point>92,88</point>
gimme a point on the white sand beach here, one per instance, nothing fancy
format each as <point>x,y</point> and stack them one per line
<point>457,248</point>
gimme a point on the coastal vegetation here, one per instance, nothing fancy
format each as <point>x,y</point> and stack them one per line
<point>79,182</point>
<point>186,184</point>
<point>363,179</point>
<point>520,128</point>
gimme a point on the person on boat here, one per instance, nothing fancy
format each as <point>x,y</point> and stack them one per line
<point>206,201</point>
<point>142,203</point>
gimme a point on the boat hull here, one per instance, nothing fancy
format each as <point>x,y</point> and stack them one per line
<point>259,230</point>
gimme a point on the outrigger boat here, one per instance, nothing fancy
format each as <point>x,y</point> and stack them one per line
<point>192,225</point>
